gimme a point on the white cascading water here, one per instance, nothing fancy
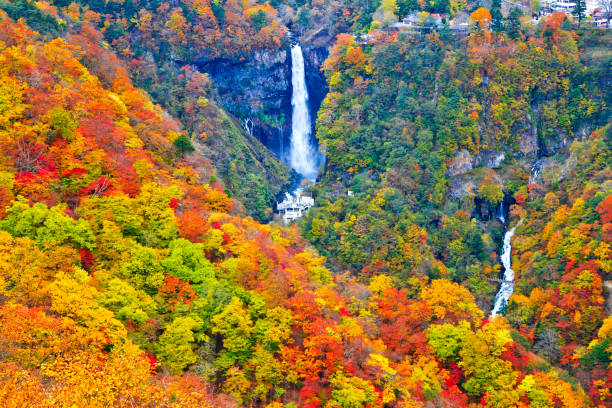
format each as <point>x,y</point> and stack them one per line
<point>535,169</point>
<point>303,156</point>
<point>507,287</point>
<point>501,217</point>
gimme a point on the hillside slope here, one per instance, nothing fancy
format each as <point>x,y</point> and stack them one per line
<point>431,139</point>
<point>245,167</point>
<point>125,281</point>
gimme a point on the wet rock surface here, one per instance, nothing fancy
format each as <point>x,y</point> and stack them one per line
<point>257,90</point>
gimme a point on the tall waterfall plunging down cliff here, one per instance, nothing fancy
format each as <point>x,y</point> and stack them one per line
<point>303,156</point>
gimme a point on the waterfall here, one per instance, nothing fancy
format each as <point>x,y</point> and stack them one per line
<point>535,170</point>
<point>303,156</point>
<point>507,287</point>
<point>501,216</point>
<point>280,143</point>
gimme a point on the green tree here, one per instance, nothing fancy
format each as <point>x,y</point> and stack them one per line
<point>351,392</point>
<point>147,218</point>
<point>187,262</point>
<point>513,23</point>
<point>480,362</point>
<point>46,226</point>
<point>497,23</point>
<point>143,269</point>
<point>259,20</point>
<point>236,327</point>
<point>406,6</point>
<point>126,302</point>
<point>183,144</point>
<point>176,345</point>
<point>268,372</point>
<point>447,339</point>
<point>218,10</point>
<point>579,11</point>
<point>491,191</point>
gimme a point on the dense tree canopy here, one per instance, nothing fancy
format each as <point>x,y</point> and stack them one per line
<point>129,276</point>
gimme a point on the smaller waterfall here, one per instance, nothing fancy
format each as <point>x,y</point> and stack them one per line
<point>507,287</point>
<point>303,156</point>
<point>535,170</point>
<point>501,216</point>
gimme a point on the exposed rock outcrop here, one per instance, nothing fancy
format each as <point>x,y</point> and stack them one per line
<point>461,163</point>
<point>257,90</point>
<point>314,56</point>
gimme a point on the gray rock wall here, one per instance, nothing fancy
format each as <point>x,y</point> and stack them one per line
<point>257,90</point>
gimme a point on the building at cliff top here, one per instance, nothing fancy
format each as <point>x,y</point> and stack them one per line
<point>294,206</point>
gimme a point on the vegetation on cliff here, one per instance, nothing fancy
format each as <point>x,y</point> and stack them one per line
<point>427,137</point>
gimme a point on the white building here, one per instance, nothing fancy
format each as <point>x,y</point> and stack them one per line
<point>294,206</point>
<point>591,6</point>
<point>592,9</point>
<point>563,6</point>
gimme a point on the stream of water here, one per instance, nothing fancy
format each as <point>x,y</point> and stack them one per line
<point>507,287</point>
<point>303,156</point>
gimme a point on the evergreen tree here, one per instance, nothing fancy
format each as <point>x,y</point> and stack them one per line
<point>259,20</point>
<point>579,11</point>
<point>441,6</point>
<point>496,16</point>
<point>513,23</point>
<point>183,144</point>
<point>217,8</point>
<point>406,6</point>
<point>445,33</point>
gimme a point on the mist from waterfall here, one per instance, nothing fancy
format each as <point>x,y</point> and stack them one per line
<point>303,156</point>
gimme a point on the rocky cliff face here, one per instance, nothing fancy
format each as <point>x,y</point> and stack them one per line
<point>314,56</point>
<point>257,90</point>
<point>247,168</point>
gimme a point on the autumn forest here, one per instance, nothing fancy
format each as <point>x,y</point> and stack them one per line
<point>454,250</point>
